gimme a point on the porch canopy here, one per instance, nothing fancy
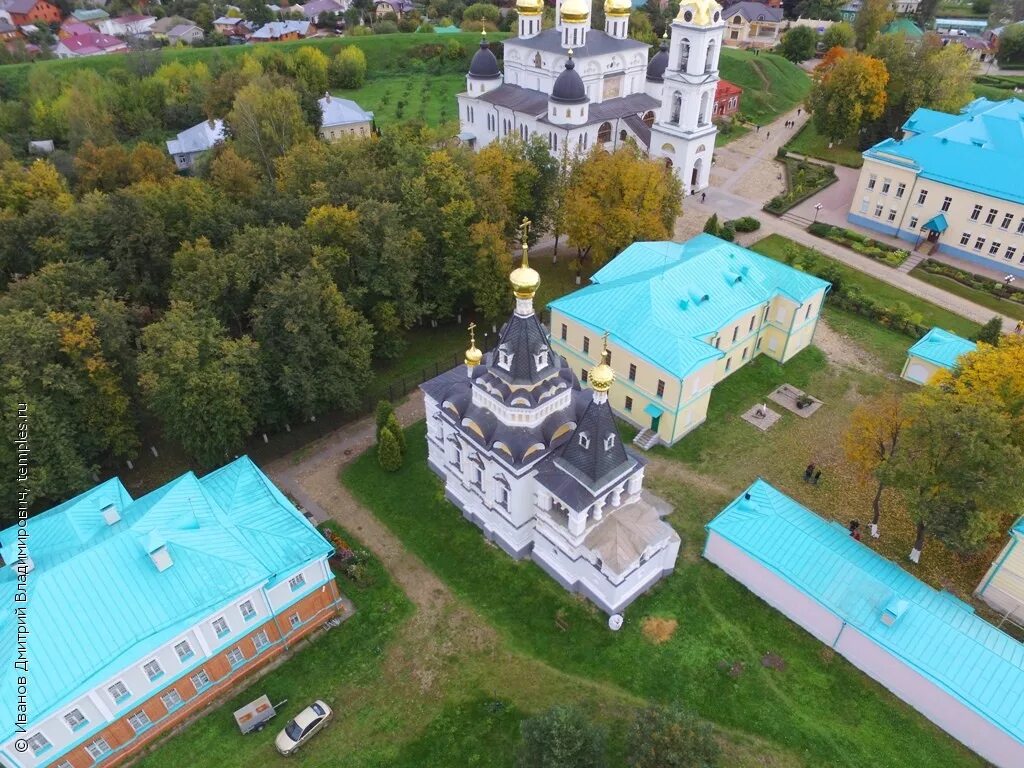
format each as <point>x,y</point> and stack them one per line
<point>936,223</point>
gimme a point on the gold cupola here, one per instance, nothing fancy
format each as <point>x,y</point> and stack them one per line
<point>473,355</point>
<point>618,7</point>
<point>701,12</point>
<point>524,278</point>
<point>574,11</point>
<point>530,7</point>
<point>602,377</point>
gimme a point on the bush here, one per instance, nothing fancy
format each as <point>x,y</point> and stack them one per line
<point>358,31</point>
<point>711,226</point>
<point>727,233</point>
<point>978,282</point>
<point>389,452</point>
<point>561,737</point>
<point>392,426</point>
<point>348,69</point>
<point>991,332</point>
<point>745,224</point>
<point>385,28</point>
<point>671,737</point>
<point>383,412</point>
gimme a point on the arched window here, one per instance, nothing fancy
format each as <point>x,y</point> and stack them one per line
<point>702,116</point>
<point>649,119</point>
<point>677,107</point>
<point>709,58</point>
<point>584,440</point>
<point>604,133</point>
<point>684,54</point>
<point>537,61</point>
<point>609,442</point>
<point>622,135</point>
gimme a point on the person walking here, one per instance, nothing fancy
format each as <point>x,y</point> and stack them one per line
<point>817,476</point>
<point>809,472</point>
<point>702,196</point>
<point>855,530</point>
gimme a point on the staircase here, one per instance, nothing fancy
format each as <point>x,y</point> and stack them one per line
<point>914,259</point>
<point>646,439</point>
<point>793,218</point>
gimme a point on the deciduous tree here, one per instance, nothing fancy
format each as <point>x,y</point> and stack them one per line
<point>798,43</point>
<point>872,439</point>
<point>872,16</point>
<point>309,66</point>
<point>266,121</point>
<point>1011,45</point>
<point>839,34</point>
<point>671,736</point>
<point>348,69</point>
<point>561,737</point>
<point>849,89</point>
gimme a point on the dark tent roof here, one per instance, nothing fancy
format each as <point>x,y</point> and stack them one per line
<point>484,65</point>
<point>595,454</point>
<point>658,64</point>
<point>568,87</point>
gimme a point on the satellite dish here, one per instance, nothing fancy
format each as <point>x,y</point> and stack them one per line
<point>615,622</point>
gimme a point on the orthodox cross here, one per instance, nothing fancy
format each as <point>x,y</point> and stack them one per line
<point>472,337</point>
<point>524,230</point>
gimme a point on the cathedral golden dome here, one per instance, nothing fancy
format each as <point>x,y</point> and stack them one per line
<point>601,378</point>
<point>618,7</point>
<point>473,355</point>
<point>530,7</point>
<point>524,278</point>
<point>574,11</point>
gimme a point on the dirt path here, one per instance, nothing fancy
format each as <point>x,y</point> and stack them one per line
<point>844,351</point>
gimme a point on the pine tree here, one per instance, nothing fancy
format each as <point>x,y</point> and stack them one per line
<point>384,410</point>
<point>711,226</point>
<point>392,426</point>
<point>991,332</point>
<point>389,452</point>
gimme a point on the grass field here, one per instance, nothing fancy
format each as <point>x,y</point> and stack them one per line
<point>817,711</point>
<point>809,142</point>
<point>1009,308</point>
<point>430,98</point>
<point>771,84</point>
<point>776,246</point>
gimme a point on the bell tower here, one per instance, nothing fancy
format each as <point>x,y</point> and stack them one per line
<point>683,133</point>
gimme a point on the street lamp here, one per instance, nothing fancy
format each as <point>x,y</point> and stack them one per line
<point>817,209</point>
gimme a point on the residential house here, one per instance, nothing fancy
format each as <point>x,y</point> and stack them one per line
<point>927,647</point>
<point>313,9</point>
<point>70,28</point>
<point>278,31</point>
<point>8,32</point>
<point>42,147</point>
<point>144,612</point>
<point>961,27</point>
<point>131,25</point>
<point>1003,585</point>
<point>232,27</point>
<point>193,141</point>
<point>936,350</point>
<point>903,7</point>
<point>90,15</point>
<point>752,25</point>
<point>681,317</point>
<point>953,181</point>
<point>343,117</point>
<point>977,48</point>
<point>91,44</point>
<point>903,26</point>
<point>161,27</point>
<point>727,99</point>
<point>24,12</point>
<point>185,34</point>
<point>398,7</point>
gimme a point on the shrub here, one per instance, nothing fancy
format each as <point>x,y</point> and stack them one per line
<point>385,28</point>
<point>711,226</point>
<point>561,737</point>
<point>727,233</point>
<point>389,452</point>
<point>358,31</point>
<point>745,224</point>
<point>383,412</point>
<point>671,737</point>
<point>991,332</point>
<point>820,229</point>
<point>392,426</point>
<point>348,69</point>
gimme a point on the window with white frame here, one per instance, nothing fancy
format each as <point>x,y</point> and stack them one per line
<point>609,442</point>
<point>220,626</point>
<point>864,204</point>
<point>992,213</point>
<point>979,243</point>
<point>994,248</point>
<point>892,214</point>
<point>64,764</point>
<point>261,640</point>
<point>38,743</point>
<point>965,238</point>
<point>1010,252</point>
<point>1020,226</point>
<point>505,359</point>
<point>152,669</point>
<point>1007,220</point>
<point>171,699</point>
<point>886,183</point>
<point>541,359</point>
<point>900,189</point>
<point>871,181</point>
<point>878,210</point>
<point>976,213</point>
<point>75,719</point>
<point>184,650</point>
<point>97,748</point>
<point>118,691</point>
<point>913,222</point>
<point>584,439</point>
<point>922,196</point>
<point>296,582</point>
<point>139,721</point>
<point>946,202</point>
<point>247,610</point>
<point>200,679</point>
<point>235,656</point>
<point>294,620</point>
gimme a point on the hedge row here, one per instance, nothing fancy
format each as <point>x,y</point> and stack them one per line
<point>866,246</point>
<point>978,282</point>
<point>803,179</point>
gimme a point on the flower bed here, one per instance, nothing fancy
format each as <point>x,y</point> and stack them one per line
<point>803,179</point>
<point>862,244</point>
<point>977,282</point>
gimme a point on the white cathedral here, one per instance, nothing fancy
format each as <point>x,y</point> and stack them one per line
<point>576,87</point>
<point>536,462</point>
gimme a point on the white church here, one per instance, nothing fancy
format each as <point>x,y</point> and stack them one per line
<point>536,462</point>
<point>576,87</point>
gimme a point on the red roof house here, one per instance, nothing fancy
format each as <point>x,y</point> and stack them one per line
<point>727,99</point>
<point>92,44</point>
<point>33,12</point>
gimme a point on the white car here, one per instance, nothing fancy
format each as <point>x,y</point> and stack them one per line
<point>300,730</point>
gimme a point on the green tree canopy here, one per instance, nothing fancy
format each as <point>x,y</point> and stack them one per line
<point>561,737</point>
<point>839,34</point>
<point>1011,45</point>
<point>671,736</point>
<point>266,121</point>
<point>798,43</point>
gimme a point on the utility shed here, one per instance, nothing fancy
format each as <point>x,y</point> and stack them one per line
<point>1003,585</point>
<point>926,646</point>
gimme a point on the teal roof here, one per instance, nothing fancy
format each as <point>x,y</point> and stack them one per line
<point>449,30</point>
<point>936,223</point>
<point>904,27</point>
<point>981,149</point>
<point>97,603</point>
<point>941,347</point>
<point>663,300</point>
<point>90,14</point>
<point>936,634</point>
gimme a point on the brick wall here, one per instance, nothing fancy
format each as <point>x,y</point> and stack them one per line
<point>314,609</point>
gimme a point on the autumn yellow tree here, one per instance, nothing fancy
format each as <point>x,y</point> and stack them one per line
<point>848,90</point>
<point>872,439</point>
<point>617,198</point>
<point>503,178</point>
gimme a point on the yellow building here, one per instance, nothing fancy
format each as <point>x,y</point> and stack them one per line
<point>1003,585</point>
<point>680,317</point>
<point>343,117</point>
<point>937,350</point>
<point>952,183</point>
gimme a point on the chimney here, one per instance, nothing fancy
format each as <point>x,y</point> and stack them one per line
<point>110,514</point>
<point>893,610</point>
<point>156,547</point>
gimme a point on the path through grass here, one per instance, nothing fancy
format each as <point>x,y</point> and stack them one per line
<point>771,84</point>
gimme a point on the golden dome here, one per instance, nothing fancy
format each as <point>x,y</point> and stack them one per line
<point>601,378</point>
<point>524,278</point>
<point>618,7</point>
<point>530,7</point>
<point>574,11</point>
<point>703,11</point>
<point>473,355</point>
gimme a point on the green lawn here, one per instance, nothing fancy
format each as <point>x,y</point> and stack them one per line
<point>735,131</point>
<point>817,711</point>
<point>809,142</point>
<point>430,98</point>
<point>771,84</point>
<point>337,667</point>
<point>1010,308</point>
<point>776,246</point>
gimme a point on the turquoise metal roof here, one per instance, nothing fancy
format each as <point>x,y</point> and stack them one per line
<point>663,300</point>
<point>96,602</point>
<point>936,223</point>
<point>981,149</point>
<point>935,633</point>
<point>941,347</point>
